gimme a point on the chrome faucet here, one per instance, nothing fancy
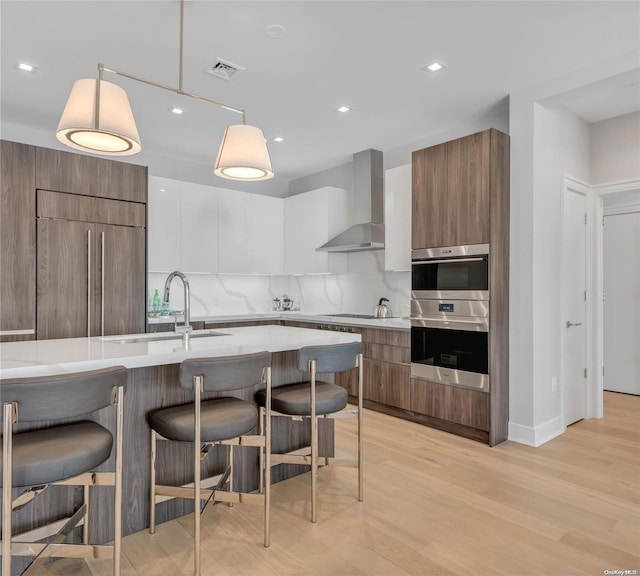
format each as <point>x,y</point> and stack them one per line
<point>187,301</point>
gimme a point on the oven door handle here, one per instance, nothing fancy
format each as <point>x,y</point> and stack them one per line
<point>445,261</point>
<point>469,325</point>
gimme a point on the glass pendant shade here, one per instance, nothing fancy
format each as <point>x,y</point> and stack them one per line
<point>243,154</point>
<point>112,133</point>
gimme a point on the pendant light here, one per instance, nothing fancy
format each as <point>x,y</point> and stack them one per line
<point>98,118</point>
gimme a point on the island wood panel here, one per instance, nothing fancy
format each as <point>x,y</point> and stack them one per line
<point>499,282</point>
<point>468,177</point>
<point>17,239</point>
<point>429,224</point>
<point>451,403</point>
<point>156,387</point>
<point>63,206</point>
<point>79,174</point>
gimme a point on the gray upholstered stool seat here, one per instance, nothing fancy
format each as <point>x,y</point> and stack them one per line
<point>65,454</point>
<point>296,398</point>
<point>220,419</point>
<point>54,454</point>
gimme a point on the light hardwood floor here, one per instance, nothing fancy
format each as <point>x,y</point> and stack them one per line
<point>435,504</point>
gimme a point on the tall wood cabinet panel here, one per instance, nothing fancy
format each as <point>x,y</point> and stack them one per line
<point>64,298</point>
<point>429,225</point>
<point>17,242</point>
<point>123,291</point>
<point>90,176</point>
<point>451,192</point>
<point>460,196</point>
<point>91,279</point>
<point>468,171</point>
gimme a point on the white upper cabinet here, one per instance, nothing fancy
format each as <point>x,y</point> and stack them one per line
<point>199,228</point>
<point>234,221</point>
<point>163,224</point>
<point>397,218</point>
<point>267,235</point>
<point>250,233</point>
<point>310,220</point>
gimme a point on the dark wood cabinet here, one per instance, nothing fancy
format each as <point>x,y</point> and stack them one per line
<point>460,196</point>
<point>72,244</point>
<point>17,242</point>
<point>91,272</point>
<point>452,185</point>
<point>451,403</point>
<point>90,176</point>
<point>429,224</point>
<point>91,279</point>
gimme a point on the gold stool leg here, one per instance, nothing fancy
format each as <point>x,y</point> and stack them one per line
<point>7,457</point>
<point>266,470</point>
<point>85,525</point>
<point>152,484</point>
<point>117,520</point>
<point>230,472</point>
<point>314,440</point>
<point>198,383</point>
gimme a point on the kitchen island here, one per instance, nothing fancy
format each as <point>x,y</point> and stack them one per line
<point>153,362</point>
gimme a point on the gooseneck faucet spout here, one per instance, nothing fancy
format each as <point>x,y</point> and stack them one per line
<point>187,299</point>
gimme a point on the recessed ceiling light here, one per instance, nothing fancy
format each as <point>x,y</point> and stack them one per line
<point>435,66</point>
<point>278,139</point>
<point>275,31</point>
<point>344,109</point>
<point>26,67</point>
<point>176,110</point>
<point>163,189</point>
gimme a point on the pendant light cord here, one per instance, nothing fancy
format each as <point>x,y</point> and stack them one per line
<point>179,90</point>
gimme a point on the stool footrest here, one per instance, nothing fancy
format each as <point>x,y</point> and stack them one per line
<point>89,479</point>
<point>238,497</point>
<point>61,550</point>
<point>180,492</point>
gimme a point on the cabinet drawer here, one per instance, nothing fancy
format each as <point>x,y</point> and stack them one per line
<point>450,403</point>
<point>61,206</point>
<point>397,354</point>
<point>390,337</point>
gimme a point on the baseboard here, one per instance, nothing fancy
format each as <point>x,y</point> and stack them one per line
<point>538,435</point>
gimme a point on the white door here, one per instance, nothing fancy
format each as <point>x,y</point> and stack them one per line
<point>574,274</point>
<point>621,308</point>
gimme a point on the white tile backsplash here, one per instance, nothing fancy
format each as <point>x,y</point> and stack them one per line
<point>356,292</point>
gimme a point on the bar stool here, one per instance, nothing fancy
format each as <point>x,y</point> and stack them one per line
<point>313,399</point>
<point>62,455</point>
<point>205,423</point>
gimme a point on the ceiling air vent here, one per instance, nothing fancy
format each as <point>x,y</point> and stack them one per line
<point>224,69</point>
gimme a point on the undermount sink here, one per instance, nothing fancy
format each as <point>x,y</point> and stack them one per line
<point>160,337</point>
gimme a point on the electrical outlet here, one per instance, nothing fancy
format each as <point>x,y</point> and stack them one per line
<point>554,383</point>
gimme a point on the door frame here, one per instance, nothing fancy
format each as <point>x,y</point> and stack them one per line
<point>600,191</point>
<point>577,186</point>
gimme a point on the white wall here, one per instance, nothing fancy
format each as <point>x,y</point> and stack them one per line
<point>615,149</point>
<point>546,143</point>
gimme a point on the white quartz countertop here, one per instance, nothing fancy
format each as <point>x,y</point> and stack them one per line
<point>46,357</point>
<point>384,323</point>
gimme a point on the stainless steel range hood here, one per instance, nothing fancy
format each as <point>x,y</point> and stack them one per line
<point>368,204</point>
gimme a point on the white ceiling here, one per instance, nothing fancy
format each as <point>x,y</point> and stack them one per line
<point>367,55</point>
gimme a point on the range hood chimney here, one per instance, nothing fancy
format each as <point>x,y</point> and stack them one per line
<point>368,203</point>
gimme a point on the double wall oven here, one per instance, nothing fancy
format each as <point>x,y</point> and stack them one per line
<point>450,315</point>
